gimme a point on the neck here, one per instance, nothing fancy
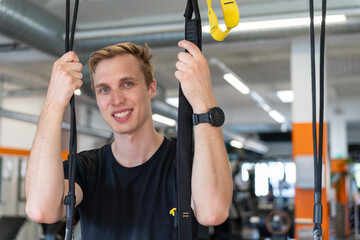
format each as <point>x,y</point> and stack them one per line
<point>132,150</point>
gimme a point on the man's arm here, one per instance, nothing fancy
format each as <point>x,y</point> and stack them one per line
<point>211,177</point>
<point>44,182</point>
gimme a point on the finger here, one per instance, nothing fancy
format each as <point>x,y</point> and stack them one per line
<point>190,47</point>
<point>185,58</point>
<point>178,75</point>
<point>70,57</point>
<point>77,75</point>
<point>181,66</point>
<point>75,66</point>
<point>78,84</point>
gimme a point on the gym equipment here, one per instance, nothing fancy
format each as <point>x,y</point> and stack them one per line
<point>53,231</point>
<point>278,223</point>
<point>10,226</point>
<point>184,140</point>
<point>70,199</point>
<point>318,145</point>
<point>231,17</point>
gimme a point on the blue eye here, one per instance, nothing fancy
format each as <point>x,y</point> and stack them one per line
<point>128,84</point>
<point>104,90</point>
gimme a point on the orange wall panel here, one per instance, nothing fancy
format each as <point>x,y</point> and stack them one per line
<point>304,198</point>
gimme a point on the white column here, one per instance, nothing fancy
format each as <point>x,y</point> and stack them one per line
<point>301,80</point>
<point>338,135</point>
<point>302,138</point>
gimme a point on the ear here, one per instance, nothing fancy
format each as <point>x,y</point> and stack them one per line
<point>152,89</point>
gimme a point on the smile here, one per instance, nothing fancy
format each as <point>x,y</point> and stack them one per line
<point>122,114</point>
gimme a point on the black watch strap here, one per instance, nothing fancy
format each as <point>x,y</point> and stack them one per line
<point>215,117</point>
<point>200,118</point>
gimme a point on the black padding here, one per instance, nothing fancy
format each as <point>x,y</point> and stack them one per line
<point>184,138</point>
<point>10,226</point>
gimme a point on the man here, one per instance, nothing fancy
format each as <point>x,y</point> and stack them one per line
<point>126,189</point>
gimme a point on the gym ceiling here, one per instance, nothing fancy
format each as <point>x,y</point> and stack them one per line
<point>260,57</point>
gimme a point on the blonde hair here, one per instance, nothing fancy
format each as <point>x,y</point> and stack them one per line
<point>142,53</point>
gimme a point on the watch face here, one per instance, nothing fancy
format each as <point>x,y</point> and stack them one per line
<point>217,117</point>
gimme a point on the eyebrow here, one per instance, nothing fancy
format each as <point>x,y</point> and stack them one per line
<point>120,80</point>
<point>100,85</point>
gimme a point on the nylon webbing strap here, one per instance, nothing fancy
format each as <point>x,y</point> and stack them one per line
<point>70,199</point>
<point>184,138</point>
<point>317,142</point>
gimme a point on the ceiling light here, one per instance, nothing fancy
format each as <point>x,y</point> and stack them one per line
<point>128,31</point>
<point>265,107</point>
<point>248,144</point>
<point>280,23</point>
<point>290,22</point>
<point>261,148</point>
<point>236,144</point>
<point>236,83</point>
<point>77,92</point>
<point>286,96</point>
<point>256,97</point>
<point>174,101</point>
<point>164,120</point>
<point>277,116</point>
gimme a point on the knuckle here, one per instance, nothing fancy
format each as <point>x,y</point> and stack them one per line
<point>178,75</point>
<point>57,63</point>
<point>71,54</point>
<point>186,75</point>
<point>60,68</point>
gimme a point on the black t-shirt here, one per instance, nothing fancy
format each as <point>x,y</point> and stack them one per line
<point>123,203</point>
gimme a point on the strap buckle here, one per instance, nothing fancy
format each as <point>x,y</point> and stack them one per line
<point>231,17</point>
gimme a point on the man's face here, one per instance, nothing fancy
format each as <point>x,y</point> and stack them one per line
<point>122,95</point>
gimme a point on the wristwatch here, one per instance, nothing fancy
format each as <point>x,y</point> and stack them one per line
<point>215,117</point>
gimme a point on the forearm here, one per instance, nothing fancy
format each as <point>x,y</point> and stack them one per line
<point>211,176</point>
<point>44,183</point>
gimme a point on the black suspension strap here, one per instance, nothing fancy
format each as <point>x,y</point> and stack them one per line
<point>70,199</point>
<point>317,142</point>
<point>184,137</point>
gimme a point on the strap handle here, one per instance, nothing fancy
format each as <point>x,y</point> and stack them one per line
<point>317,143</point>
<point>70,199</point>
<point>231,17</point>
<point>184,140</point>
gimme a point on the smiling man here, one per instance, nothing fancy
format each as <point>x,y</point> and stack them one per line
<point>125,190</point>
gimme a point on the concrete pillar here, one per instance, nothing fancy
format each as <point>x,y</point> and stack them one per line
<point>1,102</point>
<point>338,135</point>
<point>303,144</point>
<point>338,154</point>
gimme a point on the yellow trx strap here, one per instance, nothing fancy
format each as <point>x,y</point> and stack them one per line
<point>231,17</point>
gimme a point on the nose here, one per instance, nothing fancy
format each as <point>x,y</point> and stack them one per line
<point>117,98</point>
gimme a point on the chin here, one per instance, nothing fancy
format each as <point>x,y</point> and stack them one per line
<point>122,130</point>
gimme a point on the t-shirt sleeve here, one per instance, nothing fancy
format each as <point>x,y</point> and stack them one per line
<point>86,171</point>
<point>78,176</point>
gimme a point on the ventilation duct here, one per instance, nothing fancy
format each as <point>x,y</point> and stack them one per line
<point>28,23</point>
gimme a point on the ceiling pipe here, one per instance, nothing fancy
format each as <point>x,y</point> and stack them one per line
<point>171,38</point>
<point>30,24</point>
<point>27,23</point>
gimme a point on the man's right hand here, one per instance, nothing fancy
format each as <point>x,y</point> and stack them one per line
<point>44,181</point>
<point>66,77</point>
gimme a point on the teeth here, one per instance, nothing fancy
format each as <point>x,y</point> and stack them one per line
<point>122,114</point>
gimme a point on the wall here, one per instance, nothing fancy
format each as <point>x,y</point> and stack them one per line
<point>19,134</point>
